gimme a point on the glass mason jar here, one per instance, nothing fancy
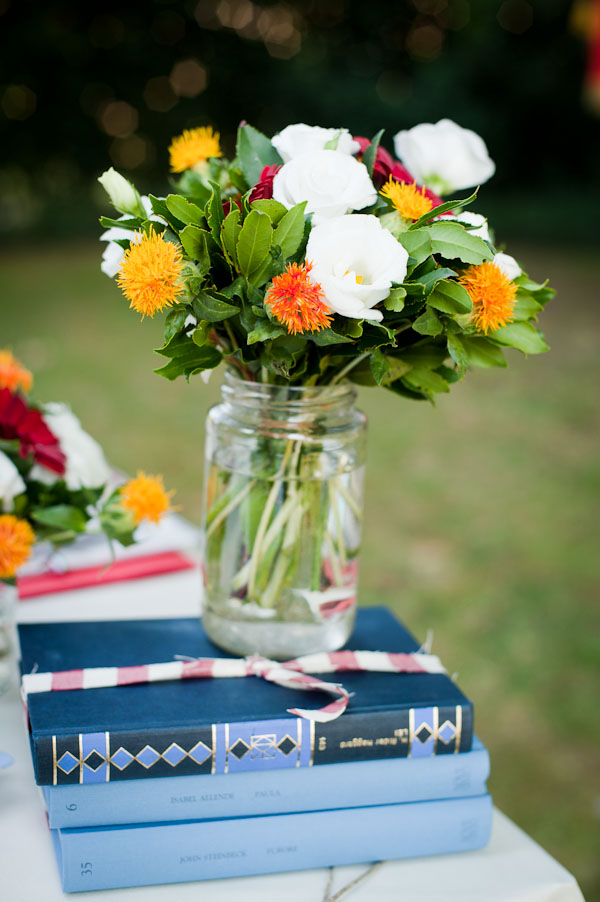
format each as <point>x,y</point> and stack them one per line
<point>282,517</point>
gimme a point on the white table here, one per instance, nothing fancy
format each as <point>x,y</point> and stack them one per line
<point>512,868</point>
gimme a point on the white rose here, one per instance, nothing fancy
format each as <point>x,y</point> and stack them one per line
<point>298,139</point>
<point>355,260</point>
<point>113,253</point>
<point>11,483</point>
<point>86,466</point>
<point>508,265</point>
<point>332,183</point>
<point>480,223</point>
<point>444,156</point>
<point>123,195</point>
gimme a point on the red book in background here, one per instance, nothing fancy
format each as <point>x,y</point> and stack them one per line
<point>86,577</point>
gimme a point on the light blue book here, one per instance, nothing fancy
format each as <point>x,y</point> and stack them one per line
<point>113,857</point>
<point>351,785</point>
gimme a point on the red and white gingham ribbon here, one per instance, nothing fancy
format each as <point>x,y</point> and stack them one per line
<point>290,674</point>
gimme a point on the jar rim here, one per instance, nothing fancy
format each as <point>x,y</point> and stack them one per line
<point>343,392</point>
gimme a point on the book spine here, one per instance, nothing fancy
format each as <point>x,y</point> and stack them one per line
<point>356,784</point>
<point>110,858</point>
<point>226,748</point>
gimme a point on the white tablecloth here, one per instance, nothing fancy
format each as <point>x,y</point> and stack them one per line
<point>512,868</point>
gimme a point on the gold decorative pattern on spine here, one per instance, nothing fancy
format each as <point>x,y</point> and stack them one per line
<point>226,769</point>
<point>54,774</point>
<point>458,729</point>
<point>107,736</point>
<point>436,726</point>
<point>411,730</point>
<point>312,743</point>
<point>81,758</point>
<point>298,742</point>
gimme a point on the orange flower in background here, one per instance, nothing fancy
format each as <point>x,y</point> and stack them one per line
<point>16,539</point>
<point>493,295</point>
<point>297,302</point>
<point>194,146</point>
<point>13,374</point>
<point>146,497</point>
<point>150,275</point>
<point>407,198</point>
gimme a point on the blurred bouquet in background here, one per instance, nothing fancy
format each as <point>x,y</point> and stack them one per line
<point>55,483</point>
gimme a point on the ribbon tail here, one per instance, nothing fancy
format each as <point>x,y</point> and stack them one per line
<point>306,683</point>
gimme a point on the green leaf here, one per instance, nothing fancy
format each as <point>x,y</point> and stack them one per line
<point>429,279</point>
<point>264,331</point>
<point>274,210</point>
<point>131,223</point>
<point>194,242</point>
<point>254,152</point>
<point>452,241</point>
<point>395,300</point>
<point>526,307</point>
<point>425,355</point>
<point>426,381</point>
<point>450,297</point>
<point>214,212</point>
<point>254,242</point>
<point>370,153</point>
<point>187,212</point>
<point>379,365</point>
<point>186,357</point>
<point>481,352</point>
<point>230,231</point>
<point>458,352</point>
<point>522,336</point>
<point>159,208</point>
<point>428,323</point>
<point>290,231</point>
<point>443,208</point>
<point>61,516</point>
<point>418,245</point>
<point>325,337</point>
<point>200,334</point>
<point>208,305</point>
<point>174,322</point>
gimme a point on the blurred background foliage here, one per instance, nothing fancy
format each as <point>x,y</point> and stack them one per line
<point>481,517</point>
<point>82,85</point>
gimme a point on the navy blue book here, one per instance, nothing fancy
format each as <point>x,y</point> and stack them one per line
<point>223,725</point>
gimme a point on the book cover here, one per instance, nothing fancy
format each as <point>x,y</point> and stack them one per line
<point>218,726</point>
<point>114,857</point>
<point>284,791</point>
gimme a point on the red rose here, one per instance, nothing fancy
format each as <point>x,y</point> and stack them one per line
<point>386,167</point>
<point>263,190</point>
<point>17,421</point>
<point>227,206</point>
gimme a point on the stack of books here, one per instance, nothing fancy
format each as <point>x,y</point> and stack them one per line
<point>197,779</point>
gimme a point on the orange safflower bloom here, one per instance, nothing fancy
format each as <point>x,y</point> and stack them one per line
<point>145,497</point>
<point>407,198</point>
<point>296,301</point>
<point>16,539</point>
<point>150,275</point>
<point>194,146</point>
<point>493,295</point>
<point>13,374</point>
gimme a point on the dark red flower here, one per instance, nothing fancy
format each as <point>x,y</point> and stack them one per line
<point>26,424</point>
<point>263,190</point>
<point>386,166</point>
<point>227,206</point>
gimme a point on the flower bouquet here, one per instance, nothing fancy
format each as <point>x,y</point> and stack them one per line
<point>311,262</point>
<point>55,483</point>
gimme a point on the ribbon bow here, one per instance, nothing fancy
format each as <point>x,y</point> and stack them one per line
<point>295,674</point>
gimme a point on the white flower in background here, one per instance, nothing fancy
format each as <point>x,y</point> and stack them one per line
<point>113,253</point>
<point>355,260</point>
<point>480,223</point>
<point>298,139</point>
<point>508,265</point>
<point>11,483</point>
<point>444,156</point>
<point>86,466</point>
<point>332,183</point>
<point>123,195</point>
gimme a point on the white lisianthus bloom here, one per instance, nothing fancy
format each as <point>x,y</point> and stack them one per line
<point>113,253</point>
<point>298,139</point>
<point>444,156</point>
<point>508,265</point>
<point>11,483</point>
<point>332,183</point>
<point>86,466</point>
<point>479,222</point>
<point>123,195</point>
<point>355,260</point>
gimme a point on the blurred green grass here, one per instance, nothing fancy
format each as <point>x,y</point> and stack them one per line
<point>481,518</point>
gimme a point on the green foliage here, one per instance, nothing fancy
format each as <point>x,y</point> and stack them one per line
<point>254,152</point>
<point>454,242</point>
